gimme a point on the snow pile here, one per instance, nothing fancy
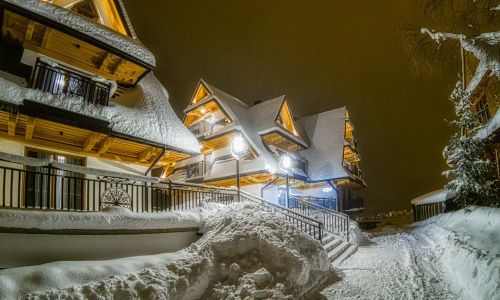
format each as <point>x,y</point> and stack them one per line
<point>143,112</point>
<point>467,243</point>
<point>111,218</point>
<point>244,252</point>
<point>356,236</point>
<point>90,28</point>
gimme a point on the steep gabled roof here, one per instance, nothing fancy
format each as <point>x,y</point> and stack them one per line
<point>326,133</point>
<point>126,45</point>
<point>238,111</point>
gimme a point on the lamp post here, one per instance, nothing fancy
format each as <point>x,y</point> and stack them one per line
<point>238,149</point>
<point>285,166</point>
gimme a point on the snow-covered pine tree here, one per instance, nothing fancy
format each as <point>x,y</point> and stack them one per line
<point>465,155</point>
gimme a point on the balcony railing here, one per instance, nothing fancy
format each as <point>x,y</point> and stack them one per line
<point>204,128</point>
<point>57,80</point>
<point>195,170</point>
<point>352,142</point>
<point>354,170</point>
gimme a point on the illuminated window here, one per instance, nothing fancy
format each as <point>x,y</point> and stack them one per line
<point>201,93</point>
<point>285,119</point>
<point>104,12</point>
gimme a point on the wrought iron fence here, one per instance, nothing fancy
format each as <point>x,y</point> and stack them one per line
<point>50,188</point>
<point>58,80</point>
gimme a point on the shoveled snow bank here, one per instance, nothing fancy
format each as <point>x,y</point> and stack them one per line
<point>244,252</point>
<point>111,218</point>
<point>142,112</point>
<point>467,243</point>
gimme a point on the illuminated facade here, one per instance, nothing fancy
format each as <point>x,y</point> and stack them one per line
<point>325,158</point>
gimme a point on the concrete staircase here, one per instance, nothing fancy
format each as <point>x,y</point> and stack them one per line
<point>338,250</point>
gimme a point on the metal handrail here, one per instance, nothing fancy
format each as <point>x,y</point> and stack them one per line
<point>334,222</point>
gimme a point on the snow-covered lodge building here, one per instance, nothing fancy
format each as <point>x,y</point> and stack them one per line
<point>325,161</point>
<point>79,101</point>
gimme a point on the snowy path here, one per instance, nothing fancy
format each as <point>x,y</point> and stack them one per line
<point>396,266</point>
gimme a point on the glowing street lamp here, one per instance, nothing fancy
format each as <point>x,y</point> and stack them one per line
<point>286,166</point>
<point>239,149</point>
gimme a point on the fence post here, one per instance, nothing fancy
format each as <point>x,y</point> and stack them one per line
<point>169,196</point>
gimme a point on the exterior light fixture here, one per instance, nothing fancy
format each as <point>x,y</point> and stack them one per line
<point>238,149</point>
<point>286,166</point>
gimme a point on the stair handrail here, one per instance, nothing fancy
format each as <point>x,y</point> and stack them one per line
<point>310,225</point>
<point>334,222</point>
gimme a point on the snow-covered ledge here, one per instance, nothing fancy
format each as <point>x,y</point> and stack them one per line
<point>115,232</point>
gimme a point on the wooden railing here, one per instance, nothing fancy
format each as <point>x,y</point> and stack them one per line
<point>57,80</point>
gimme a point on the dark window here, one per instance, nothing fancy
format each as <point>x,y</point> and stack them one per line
<point>53,188</point>
<point>483,112</point>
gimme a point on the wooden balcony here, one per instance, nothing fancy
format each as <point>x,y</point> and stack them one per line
<point>58,80</point>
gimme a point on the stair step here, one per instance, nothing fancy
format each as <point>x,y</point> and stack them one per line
<point>337,251</point>
<point>327,238</point>
<point>347,253</point>
<point>332,244</point>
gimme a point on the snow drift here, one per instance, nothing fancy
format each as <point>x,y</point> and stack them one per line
<point>243,252</point>
<point>467,244</point>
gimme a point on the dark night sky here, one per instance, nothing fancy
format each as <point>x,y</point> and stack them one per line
<point>322,55</point>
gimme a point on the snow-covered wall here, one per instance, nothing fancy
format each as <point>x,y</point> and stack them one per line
<point>19,250</point>
<point>111,233</point>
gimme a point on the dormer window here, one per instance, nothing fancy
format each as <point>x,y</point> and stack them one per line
<point>104,12</point>
<point>285,119</point>
<point>87,9</point>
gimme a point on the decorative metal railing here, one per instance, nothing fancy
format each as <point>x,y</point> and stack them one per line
<point>50,188</point>
<point>58,80</point>
<point>333,221</point>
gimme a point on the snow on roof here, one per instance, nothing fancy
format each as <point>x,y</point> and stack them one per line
<point>326,132</point>
<point>144,111</point>
<point>243,121</point>
<point>125,44</point>
<point>432,197</point>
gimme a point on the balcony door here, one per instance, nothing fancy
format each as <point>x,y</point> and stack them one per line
<point>53,188</point>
